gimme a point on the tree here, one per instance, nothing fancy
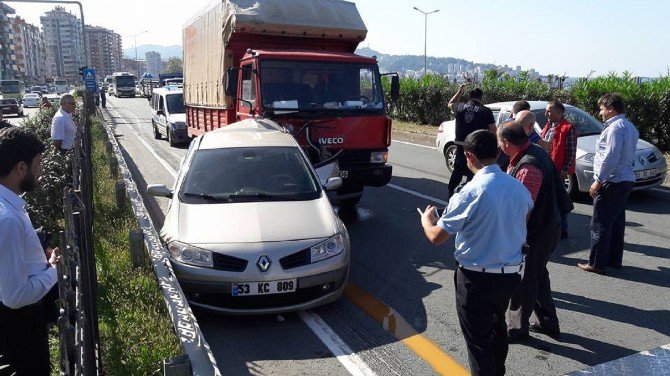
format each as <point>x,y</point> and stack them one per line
<point>173,65</point>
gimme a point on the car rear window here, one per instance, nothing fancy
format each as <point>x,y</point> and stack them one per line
<point>8,101</point>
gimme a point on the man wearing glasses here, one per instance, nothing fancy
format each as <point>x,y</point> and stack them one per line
<point>63,129</point>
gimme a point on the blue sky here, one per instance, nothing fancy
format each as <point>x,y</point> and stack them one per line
<point>570,36</point>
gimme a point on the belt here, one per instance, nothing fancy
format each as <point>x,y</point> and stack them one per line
<point>507,269</point>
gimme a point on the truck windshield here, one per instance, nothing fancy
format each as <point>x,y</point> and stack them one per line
<point>304,85</point>
<point>125,81</point>
<point>175,103</point>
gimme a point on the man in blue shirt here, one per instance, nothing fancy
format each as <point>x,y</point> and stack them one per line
<point>488,217</point>
<point>614,180</point>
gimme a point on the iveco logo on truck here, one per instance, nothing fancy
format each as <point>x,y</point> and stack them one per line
<point>331,140</point>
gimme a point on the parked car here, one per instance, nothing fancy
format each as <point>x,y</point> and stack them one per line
<point>650,166</point>
<point>31,100</point>
<point>11,106</point>
<point>249,228</point>
<point>168,116</point>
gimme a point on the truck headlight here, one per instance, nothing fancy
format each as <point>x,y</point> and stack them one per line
<point>188,254</point>
<point>379,156</point>
<point>328,248</point>
<point>588,158</point>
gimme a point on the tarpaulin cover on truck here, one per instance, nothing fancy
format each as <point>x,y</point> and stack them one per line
<point>207,36</point>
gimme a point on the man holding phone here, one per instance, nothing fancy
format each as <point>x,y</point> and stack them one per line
<point>488,217</point>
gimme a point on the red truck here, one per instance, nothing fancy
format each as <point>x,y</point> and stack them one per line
<point>293,61</point>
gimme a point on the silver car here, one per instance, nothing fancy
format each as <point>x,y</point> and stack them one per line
<point>249,227</point>
<point>650,166</point>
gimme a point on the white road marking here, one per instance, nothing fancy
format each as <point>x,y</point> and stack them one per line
<point>417,194</point>
<point>352,362</point>
<point>413,144</point>
<point>160,160</point>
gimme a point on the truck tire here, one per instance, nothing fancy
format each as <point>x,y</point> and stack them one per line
<point>450,157</point>
<point>349,203</point>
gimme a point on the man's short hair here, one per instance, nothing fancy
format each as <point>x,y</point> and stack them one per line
<point>513,133</point>
<point>66,98</point>
<point>482,144</point>
<point>525,117</point>
<point>520,106</point>
<point>557,105</point>
<point>475,93</point>
<point>17,144</point>
<point>613,100</point>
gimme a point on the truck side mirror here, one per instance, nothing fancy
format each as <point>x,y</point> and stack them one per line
<point>395,88</point>
<point>231,82</point>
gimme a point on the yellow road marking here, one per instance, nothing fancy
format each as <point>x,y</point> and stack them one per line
<point>395,324</point>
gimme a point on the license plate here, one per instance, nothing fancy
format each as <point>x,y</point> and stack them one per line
<point>344,174</point>
<point>645,173</point>
<point>264,288</point>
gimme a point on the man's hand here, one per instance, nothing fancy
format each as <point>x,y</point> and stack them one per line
<point>54,258</point>
<point>428,216</point>
<point>595,187</point>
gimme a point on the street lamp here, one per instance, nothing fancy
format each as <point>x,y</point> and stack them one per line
<point>137,64</point>
<point>425,36</point>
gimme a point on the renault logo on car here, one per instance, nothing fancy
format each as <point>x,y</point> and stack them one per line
<point>263,263</point>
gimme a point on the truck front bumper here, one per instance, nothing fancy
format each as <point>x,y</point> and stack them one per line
<point>372,175</point>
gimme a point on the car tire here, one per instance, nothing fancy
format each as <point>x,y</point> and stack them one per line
<point>157,134</point>
<point>170,137</point>
<point>571,186</point>
<point>450,157</point>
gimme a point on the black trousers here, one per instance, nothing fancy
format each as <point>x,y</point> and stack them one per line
<point>481,302</point>
<point>24,341</point>
<point>533,296</point>
<point>460,169</point>
<point>608,224</point>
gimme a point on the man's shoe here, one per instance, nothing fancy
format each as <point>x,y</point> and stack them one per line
<point>591,269</point>
<point>536,328</point>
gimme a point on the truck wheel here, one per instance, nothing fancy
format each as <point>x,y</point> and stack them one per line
<point>354,195</point>
<point>350,203</point>
<point>157,134</point>
<point>450,157</point>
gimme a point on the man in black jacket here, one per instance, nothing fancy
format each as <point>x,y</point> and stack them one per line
<point>4,123</point>
<point>531,165</point>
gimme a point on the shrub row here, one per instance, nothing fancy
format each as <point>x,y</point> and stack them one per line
<point>424,100</point>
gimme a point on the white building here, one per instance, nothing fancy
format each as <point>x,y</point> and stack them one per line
<point>154,63</point>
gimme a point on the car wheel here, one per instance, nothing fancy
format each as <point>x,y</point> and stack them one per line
<point>571,186</point>
<point>157,134</point>
<point>170,137</point>
<point>450,157</point>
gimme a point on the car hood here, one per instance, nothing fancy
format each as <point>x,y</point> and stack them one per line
<point>177,118</point>
<point>255,222</point>
<point>587,144</point>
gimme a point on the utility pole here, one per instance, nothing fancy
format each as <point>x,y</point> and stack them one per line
<point>425,37</point>
<point>137,62</point>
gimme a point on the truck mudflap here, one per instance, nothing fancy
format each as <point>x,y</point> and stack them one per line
<point>372,175</point>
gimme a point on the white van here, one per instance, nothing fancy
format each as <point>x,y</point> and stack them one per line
<point>168,116</point>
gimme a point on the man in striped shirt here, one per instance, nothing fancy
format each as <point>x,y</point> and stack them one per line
<point>532,166</point>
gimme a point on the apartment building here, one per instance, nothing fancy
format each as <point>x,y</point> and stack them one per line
<point>29,52</point>
<point>103,50</point>
<point>63,40</point>
<point>154,63</point>
<point>6,43</point>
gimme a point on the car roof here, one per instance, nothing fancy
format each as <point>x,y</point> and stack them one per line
<point>534,105</point>
<point>248,133</point>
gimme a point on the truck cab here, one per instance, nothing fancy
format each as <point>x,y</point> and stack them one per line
<point>332,102</point>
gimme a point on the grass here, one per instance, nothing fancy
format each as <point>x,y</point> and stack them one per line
<point>136,333</point>
<point>409,127</point>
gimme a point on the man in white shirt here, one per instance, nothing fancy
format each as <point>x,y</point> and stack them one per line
<point>25,274</point>
<point>63,129</point>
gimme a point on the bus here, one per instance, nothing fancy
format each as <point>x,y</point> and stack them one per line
<point>124,84</point>
<point>61,86</point>
<point>12,89</point>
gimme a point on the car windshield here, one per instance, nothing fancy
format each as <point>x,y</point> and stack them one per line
<point>585,123</point>
<point>249,174</point>
<point>175,103</point>
<point>303,85</point>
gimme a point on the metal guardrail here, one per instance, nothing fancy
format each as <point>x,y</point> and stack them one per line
<point>198,359</point>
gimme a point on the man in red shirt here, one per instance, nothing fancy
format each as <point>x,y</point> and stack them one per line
<point>531,165</point>
<point>562,136</point>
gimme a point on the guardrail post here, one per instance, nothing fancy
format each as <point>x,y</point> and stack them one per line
<point>120,191</point>
<point>177,366</point>
<point>114,166</point>
<point>137,248</point>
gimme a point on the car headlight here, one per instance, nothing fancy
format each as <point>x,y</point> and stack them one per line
<point>588,158</point>
<point>328,248</point>
<point>379,157</point>
<point>188,254</point>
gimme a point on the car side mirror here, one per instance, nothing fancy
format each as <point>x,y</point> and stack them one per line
<point>159,190</point>
<point>395,88</point>
<point>231,82</point>
<point>333,183</point>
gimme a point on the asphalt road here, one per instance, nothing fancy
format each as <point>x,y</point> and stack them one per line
<point>15,120</point>
<point>398,278</point>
